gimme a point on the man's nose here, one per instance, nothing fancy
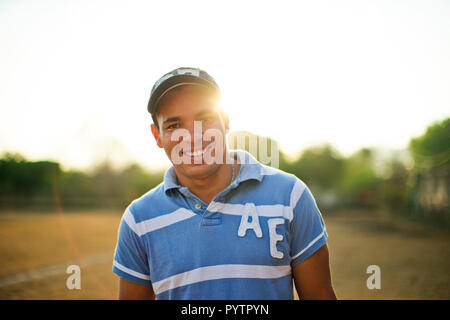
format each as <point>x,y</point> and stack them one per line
<point>195,130</point>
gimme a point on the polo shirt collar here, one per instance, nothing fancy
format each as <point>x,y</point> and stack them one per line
<point>250,169</point>
<point>170,180</point>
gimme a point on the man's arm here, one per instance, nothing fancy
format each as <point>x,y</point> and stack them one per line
<point>312,277</point>
<point>133,291</point>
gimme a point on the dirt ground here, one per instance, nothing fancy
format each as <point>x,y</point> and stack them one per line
<point>36,248</point>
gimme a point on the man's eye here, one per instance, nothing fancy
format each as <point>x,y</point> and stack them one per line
<point>208,118</point>
<point>173,126</point>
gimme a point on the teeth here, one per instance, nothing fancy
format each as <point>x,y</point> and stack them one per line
<point>195,154</point>
<point>199,153</point>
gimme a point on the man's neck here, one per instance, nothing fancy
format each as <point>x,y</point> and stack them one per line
<point>208,187</point>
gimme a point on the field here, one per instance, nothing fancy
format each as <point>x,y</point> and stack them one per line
<point>36,248</point>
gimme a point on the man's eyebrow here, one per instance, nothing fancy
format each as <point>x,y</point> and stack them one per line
<point>171,119</point>
<point>205,111</point>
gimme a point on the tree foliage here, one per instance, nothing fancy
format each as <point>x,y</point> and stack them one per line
<point>433,148</point>
<point>43,184</point>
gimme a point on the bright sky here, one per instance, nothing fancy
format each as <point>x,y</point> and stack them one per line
<point>75,76</point>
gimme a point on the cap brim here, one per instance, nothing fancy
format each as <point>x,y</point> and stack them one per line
<point>174,82</point>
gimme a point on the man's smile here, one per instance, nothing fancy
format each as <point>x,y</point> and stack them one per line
<point>199,153</point>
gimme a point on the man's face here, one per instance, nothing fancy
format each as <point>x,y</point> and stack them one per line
<point>192,130</point>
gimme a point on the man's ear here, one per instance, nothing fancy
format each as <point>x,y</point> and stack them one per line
<point>155,133</point>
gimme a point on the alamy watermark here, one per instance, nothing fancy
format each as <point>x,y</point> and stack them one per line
<point>374,281</point>
<point>74,280</point>
<point>209,147</point>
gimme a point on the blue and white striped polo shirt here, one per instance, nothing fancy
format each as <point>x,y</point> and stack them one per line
<point>242,245</point>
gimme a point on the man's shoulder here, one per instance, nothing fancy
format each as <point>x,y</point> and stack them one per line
<point>275,177</point>
<point>277,187</point>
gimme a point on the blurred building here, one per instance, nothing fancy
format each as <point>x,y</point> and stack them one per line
<point>433,189</point>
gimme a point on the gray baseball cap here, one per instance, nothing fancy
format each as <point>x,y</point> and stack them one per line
<point>178,77</point>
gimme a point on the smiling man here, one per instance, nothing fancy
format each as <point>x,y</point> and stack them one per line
<point>221,225</point>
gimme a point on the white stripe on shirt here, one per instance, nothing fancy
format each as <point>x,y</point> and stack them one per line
<point>224,271</point>
<point>131,272</point>
<point>273,210</point>
<point>296,193</point>
<point>156,223</point>
<point>309,245</point>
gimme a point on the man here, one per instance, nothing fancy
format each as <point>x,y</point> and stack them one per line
<point>221,225</point>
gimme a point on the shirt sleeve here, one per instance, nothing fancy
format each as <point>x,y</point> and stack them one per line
<point>308,232</point>
<point>130,257</point>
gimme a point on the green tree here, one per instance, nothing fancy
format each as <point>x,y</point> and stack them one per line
<point>429,193</point>
<point>359,181</point>
<point>319,166</point>
<point>433,148</point>
<point>26,178</point>
<point>394,187</point>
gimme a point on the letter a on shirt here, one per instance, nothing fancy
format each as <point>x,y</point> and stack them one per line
<point>245,224</point>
